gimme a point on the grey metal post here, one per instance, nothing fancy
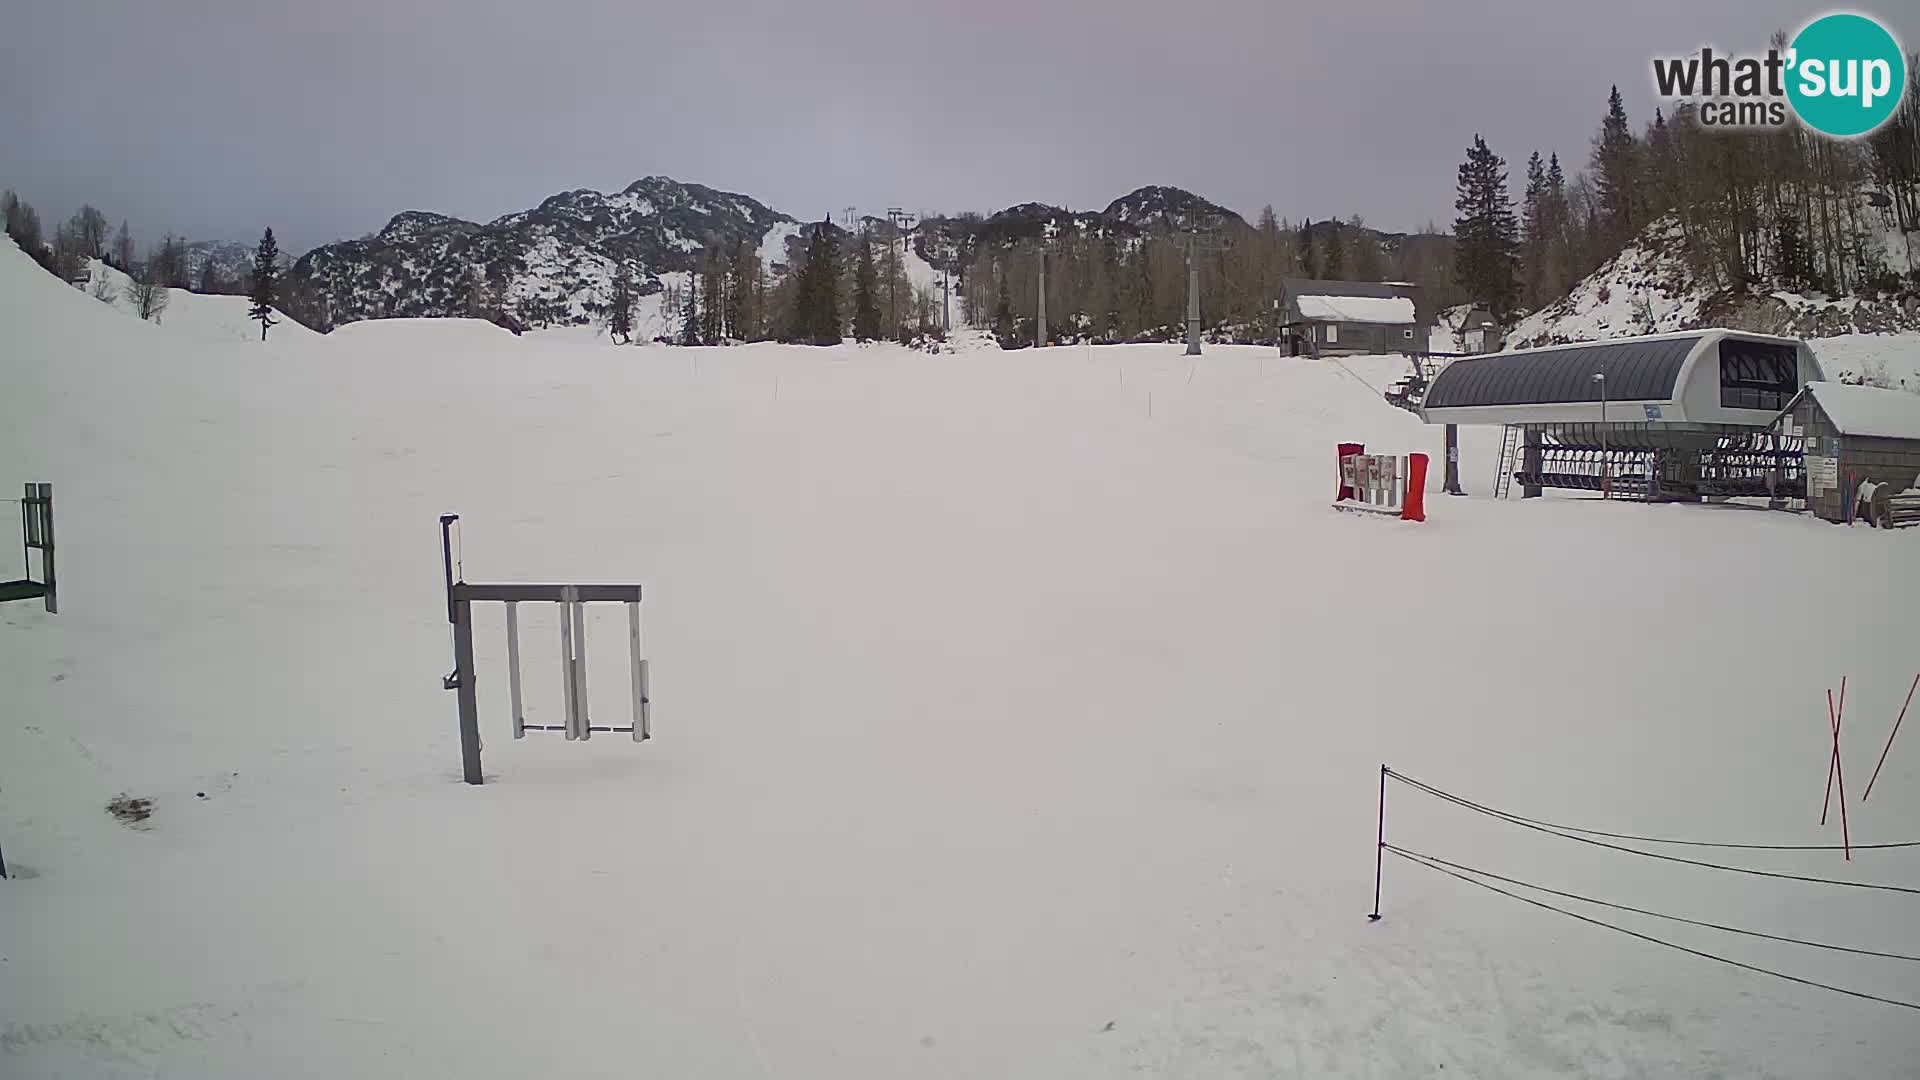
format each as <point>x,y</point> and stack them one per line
<point>580,667</point>
<point>1453,460</point>
<point>1530,460</point>
<point>1042,339</point>
<point>463,689</point>
<point>1193,301</point>
<point>1606,464</point>
<point>513,670</point>
<point>566,659</point>
<point>638,673</point>
<point>46,553</point>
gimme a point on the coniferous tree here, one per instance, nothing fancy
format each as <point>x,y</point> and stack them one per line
<point>1615,165</point>
<point>123,251</point>
<point>1556,219</point>
<point>827,325</point>
<point>266,282</point>
<point>172,263</point>
<point>1533,230</point>
<point>620,308</point>
<point>740,282</point>
<point>1366,251</point>
<point>866,308</point>
<point>816,302</point>
<point>23,224</point>
<point>713,296</point>
<point>1333,260</point>
<point>1486,233</point>
<point>1003,315</point>
<point>690,312</point>
<point>1309,266</point>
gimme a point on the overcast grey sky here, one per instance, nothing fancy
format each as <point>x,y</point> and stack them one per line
<point>215,118</point>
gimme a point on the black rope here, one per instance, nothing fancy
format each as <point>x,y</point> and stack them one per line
<point>1521,819</point>
<point>1659,941</point>
<point>1655,914</point>
<point>1651,854</point>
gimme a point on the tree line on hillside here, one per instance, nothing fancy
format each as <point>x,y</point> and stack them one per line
<point>85,237</point>
<point>730,296</point>
<point>1104,287</point>
<point>1749,209</point>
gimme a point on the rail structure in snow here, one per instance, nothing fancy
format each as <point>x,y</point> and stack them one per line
<point>462,595</point>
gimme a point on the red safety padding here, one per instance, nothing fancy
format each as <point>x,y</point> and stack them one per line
<point>1413,507</point>
<point>1347,449</point>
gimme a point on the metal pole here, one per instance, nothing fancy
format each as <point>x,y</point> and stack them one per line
<point>580,668</point>
<point>46,552</point>
<point>1606,462</point>
<point>1041,340</point>
<point>1380,847</point>
<point>566,660</point>
<point>1453,460</point>
<point>446,557</point>
<point>638,674</point>
<point>1193,301</point>
<point>464,690</point>
<point>513,670</point>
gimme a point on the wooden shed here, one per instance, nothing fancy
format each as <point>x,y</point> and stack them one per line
<point>1855,435</point>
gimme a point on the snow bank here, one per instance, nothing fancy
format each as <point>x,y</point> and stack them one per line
<point>1017,714</point>
<point>196,316</point>
<point>430,333</point>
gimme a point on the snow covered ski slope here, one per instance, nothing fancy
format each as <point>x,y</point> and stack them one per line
<point>1015,715</point>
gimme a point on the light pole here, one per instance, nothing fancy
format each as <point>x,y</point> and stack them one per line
<point>1606,464</point>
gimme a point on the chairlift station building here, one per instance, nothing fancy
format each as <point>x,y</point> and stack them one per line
<point>1669,417</point>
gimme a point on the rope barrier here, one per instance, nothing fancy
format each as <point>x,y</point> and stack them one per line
<point>1657,941</point>
<point>1519,819</point>
<point>1650,854</point>
<point>1655,914</point>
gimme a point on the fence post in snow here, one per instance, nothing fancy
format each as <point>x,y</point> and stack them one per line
<point>1453,460</point>
<point>463,690</point>
<point>1380,847</point>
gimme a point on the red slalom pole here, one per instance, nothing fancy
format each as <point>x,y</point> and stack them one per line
<point>1832,759</point>
<point>1840,775</point>
<point>1380,846</point>
<point>1896,731</point>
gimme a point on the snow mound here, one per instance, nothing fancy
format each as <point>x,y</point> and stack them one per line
<point>196,316</point>
<point>417,333</point>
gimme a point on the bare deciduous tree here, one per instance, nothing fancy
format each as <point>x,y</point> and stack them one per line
<point>89,227</point>
<point>123,253</point>
<point>145,291</point>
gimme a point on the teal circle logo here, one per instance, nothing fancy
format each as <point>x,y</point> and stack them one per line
<point>1846,75</point>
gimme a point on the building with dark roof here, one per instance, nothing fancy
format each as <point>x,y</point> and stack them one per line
<point>1344,318</point>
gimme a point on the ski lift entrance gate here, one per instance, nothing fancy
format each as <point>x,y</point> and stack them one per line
<point>461,596</point>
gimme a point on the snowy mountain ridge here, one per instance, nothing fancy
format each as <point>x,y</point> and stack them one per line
<point>554,264</point>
